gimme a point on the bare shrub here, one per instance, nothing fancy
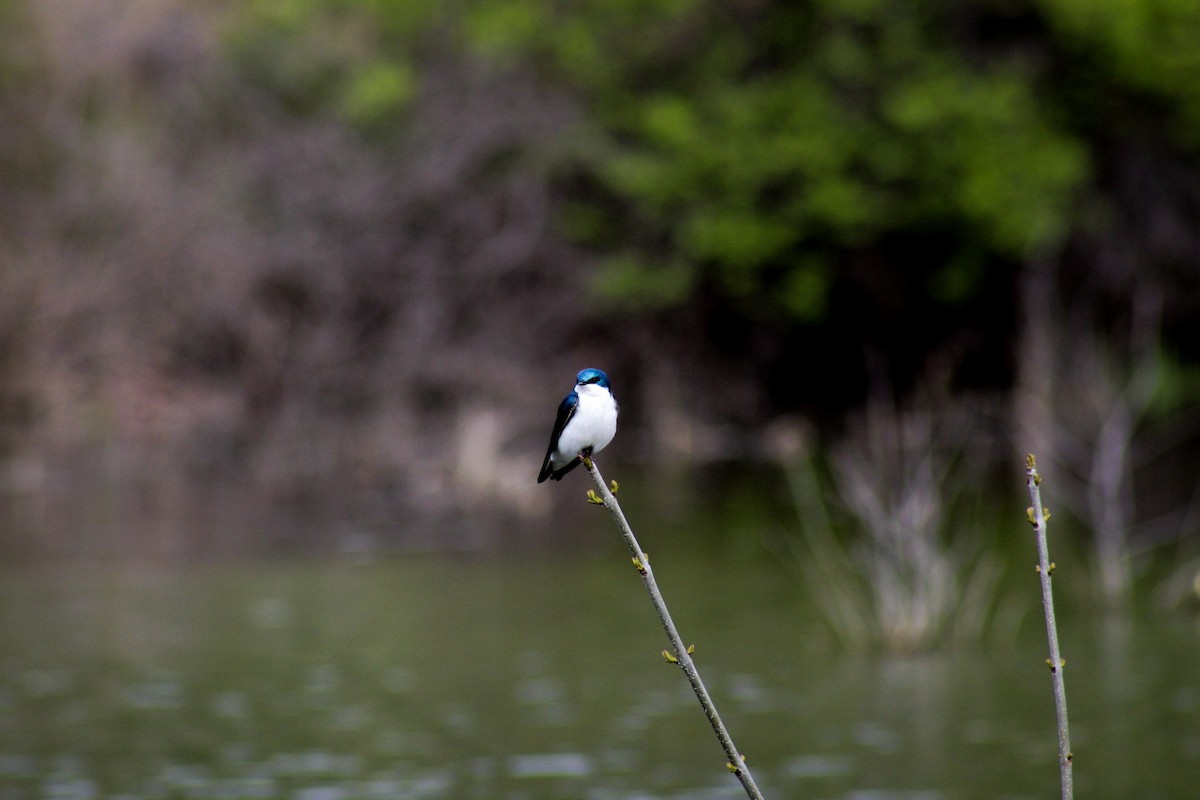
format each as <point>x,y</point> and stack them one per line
<point>1084,400</point>
<point>909,573</point>
<point>199,270</point>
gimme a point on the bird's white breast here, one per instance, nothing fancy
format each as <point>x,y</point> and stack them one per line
<point>593,425</point>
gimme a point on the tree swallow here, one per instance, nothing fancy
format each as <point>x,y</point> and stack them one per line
<point>587,422</point>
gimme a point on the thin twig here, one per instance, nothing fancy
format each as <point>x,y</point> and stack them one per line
<point>682,655</point>
<point>1038,516</point>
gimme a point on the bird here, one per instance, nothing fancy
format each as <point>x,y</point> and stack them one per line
<point>586,423</point>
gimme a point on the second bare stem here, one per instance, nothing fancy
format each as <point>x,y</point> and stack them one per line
<point>1045,568</point>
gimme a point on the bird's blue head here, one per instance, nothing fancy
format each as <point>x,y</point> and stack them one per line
<point>589,376</point>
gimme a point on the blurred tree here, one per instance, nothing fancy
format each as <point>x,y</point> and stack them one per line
<point>300,214</point>
<point>753,143</point>
<point>840,176</point>
<point>870,174</point>
<point>270,237</point>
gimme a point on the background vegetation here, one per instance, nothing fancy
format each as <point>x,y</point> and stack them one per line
<point>341,258</point>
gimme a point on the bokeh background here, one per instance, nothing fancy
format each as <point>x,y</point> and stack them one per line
<point>290,291</point>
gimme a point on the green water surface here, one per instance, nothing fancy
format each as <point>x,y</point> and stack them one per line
<point>438,677</point>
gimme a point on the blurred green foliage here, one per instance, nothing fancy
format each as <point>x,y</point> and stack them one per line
<point>752,148</point>
<point>1150,47</point>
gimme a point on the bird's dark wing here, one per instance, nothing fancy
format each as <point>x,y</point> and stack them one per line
<point>572,464</point>
<point>566,410</point>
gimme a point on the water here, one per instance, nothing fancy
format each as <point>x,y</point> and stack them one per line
<point>542,678</point>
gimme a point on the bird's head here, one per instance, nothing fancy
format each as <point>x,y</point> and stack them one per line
<point>592,377</point>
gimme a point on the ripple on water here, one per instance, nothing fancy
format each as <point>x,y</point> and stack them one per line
<point>749,692</point>
<point>75,788</point>
<point>314,763</point>
<point>884,794</point>
<point>230,705</point>
<point>550,765</point>
<point>816,766</point>
<point>42,683</point>
<point>270,613</point>
<point>156,695</point>
<point>17,765</point>
<point>876,736</point>
<point>320,793</point>
<point>436,784</point>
